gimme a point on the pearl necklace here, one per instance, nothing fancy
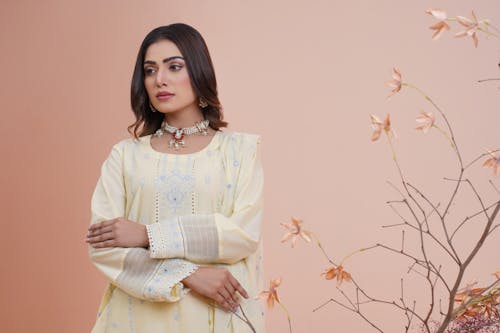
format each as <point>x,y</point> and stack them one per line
<point>178,134</point>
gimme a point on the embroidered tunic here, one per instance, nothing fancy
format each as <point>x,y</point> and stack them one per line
<point>200,209</point>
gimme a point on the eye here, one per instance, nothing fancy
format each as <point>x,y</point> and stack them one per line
<point>149,71</point>
<point>175,67</point>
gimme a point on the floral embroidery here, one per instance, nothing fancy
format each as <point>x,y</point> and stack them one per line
<point>175,188</point>
<point>167,277</point>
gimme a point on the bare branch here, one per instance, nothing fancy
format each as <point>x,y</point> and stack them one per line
<point>434,207</point>
<point>463,267</point>
<point>478,198</point>
<point>493,228</point>
<point>348,299</point>
<point>479,157</point>
<point>496,188</point>
<point>468,218</point>
<point>334,301</point>
<point>438,275</point>
<point>393,225</point>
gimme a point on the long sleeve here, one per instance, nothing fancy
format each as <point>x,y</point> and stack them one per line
<point>132,269</point>
<point>217,238</point>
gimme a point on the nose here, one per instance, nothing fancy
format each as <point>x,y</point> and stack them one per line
<point>161,77</point>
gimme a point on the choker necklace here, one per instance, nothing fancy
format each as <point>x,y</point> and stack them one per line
<point>178,134</point>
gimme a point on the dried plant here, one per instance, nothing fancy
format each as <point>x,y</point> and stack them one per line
<point>466,309</point>
<point>271,296</point>
<point>471,307</point>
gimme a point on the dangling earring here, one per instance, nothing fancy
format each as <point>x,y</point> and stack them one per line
<point>151,107</point>
<point>203,104</point>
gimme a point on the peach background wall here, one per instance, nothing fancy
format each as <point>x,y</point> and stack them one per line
<point>304,74</point>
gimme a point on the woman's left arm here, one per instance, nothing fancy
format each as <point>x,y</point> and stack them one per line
<point>216,238</point>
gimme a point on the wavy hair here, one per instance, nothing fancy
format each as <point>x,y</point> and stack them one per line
<point>201,73</point>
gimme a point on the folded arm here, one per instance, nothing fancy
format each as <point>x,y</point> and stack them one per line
<point>132,269</point>
<point>216,238</point>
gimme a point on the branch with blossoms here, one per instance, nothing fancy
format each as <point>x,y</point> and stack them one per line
<point>271,296</point>
<point>419,206</point>
<point>429,221</point>
<point>471,26</point>
<point>477,309</point>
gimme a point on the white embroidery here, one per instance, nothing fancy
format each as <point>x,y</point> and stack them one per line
<point>175,187</point>
<point>167,277</point>
<point>165,239</point>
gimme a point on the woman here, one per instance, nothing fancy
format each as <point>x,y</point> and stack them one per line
<point>177,210</point>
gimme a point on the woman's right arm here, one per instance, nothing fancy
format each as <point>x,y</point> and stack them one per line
<point>132,269</point>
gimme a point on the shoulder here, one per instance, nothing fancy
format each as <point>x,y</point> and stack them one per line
<point>240,141</point>
<point>130,143</point>
<point>118,151</point>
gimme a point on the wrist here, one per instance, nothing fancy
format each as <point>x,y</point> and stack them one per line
<point>145,236</point>
<point>187,281</point>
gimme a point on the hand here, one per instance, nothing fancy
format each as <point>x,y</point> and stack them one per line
<point>118,232</point>
<point>217,284</point>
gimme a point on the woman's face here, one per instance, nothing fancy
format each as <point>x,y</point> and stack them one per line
<point>166,78</point>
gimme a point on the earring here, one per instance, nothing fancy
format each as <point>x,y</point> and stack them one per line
<point>151,107</point>
<point>203,103</point>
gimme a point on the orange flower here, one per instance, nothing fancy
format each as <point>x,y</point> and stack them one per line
<point>471,27</point>
<point>441,25</point>
<point>437,13</point>
<point>465,295</point>
<point>395,83</point>
<point>427,120</point>
<point>479,304</point>
<point>295,231</point>
<point>494,162</point>
<point>270,295</point>
<point>338,272</point>
<point>378,126</point>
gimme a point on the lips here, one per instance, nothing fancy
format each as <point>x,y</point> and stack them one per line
<point>164,95</point>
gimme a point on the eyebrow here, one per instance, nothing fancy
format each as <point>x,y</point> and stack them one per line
<point>164,60</point>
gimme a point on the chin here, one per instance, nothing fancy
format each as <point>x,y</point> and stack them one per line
<point>168,110</point>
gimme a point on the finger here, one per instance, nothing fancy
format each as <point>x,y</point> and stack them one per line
<point>108,243</point>
<point>232,293</point>
<point>237,286</point>
<point>101,238</point>
<point>102,224</point>
<point>231,297</point>
<point>228,298</point>
<point>222,302</point>
<point>99,231</point>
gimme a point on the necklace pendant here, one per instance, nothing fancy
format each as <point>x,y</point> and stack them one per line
<point>176,144</point>
<point>177,140</point>
<point>178,134</point>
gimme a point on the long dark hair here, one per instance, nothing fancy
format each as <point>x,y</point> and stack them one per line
<point>201,73</point>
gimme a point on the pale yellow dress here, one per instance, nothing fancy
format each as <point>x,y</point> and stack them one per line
<point>203,208</point>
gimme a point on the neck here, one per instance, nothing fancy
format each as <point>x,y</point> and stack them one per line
<point>184,118</point>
